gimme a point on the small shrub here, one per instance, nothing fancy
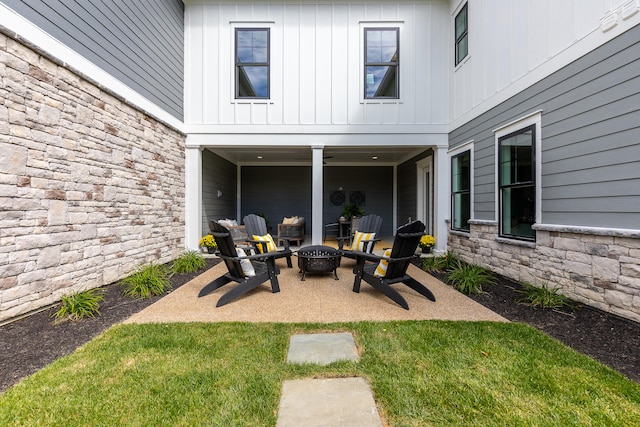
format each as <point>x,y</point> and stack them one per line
<point>439,264</point>
<point>147,282</point>
<point>542,296</point>
<point>468,278</point>
<point>188,262</point>
<point>79,305</point>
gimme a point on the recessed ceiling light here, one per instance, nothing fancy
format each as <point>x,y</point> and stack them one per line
<point>374,157</point>
<point>259,157</point>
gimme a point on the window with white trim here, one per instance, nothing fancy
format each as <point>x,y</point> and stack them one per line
<point>517,183</point>
<point>382,63</point>
<point>461,34</point>
<point>461,191</point>
<point>252,66</point>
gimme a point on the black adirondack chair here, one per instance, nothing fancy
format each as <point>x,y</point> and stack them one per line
<point>257,226</point>
<point>402,252</point>
<point>368,224</point>
<point>263,264</point>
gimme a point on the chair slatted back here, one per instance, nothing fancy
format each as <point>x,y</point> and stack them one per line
<point>404,245</point>
<point>226,247</point>
<point>371,223</point>
<point>255,225</point>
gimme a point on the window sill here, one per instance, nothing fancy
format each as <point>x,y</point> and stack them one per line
<point>251,101</point>
<point>381,101</point>
<point>514,242</point>
<point>461,63</point>
<point>460,233</point>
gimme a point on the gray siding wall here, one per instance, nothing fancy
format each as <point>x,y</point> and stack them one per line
<point>377,184</point>
<point>217,174</point>
<point>590,145</point>
<point>407,188</point>
<point>141,43</point>
<point>277,192</point>
<point>285,191</point>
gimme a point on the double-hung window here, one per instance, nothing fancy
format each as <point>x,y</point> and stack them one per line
<point>381,63</point>
<point>517,183</point>
<point>252,63</point>
<point>461,191</point>
<point>462,34</point>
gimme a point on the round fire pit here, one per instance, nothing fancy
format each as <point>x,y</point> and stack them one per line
<point>318,259</point>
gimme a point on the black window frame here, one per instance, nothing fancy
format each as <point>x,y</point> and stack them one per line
<point>239,66</point>
<point>464,36</point>
<point>518,185</point>
<point>395,65</point>
<point>463,192</point>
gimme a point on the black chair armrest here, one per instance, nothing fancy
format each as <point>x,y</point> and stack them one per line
<point>367,256</point>
<point>257,257</point>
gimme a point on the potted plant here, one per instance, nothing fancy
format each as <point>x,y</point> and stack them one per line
<point>209,243</point>
<point>352,210</point>
<point>426,243</point>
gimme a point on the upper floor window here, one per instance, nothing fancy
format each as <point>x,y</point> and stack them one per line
<point>461,34</point>
<point>252,63</point>
<point>517,184</point>
<point>461,191</point>
<point>381,62</point>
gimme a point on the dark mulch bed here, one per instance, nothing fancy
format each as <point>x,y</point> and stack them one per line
<point>30,344</point>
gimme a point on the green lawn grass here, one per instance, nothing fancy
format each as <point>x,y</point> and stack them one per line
<point>423,373</point>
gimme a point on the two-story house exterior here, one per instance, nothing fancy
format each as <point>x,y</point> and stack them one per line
<point>354,91</point>
<point>510,129</point>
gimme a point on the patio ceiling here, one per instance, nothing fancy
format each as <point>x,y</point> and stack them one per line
<point>333,156</point>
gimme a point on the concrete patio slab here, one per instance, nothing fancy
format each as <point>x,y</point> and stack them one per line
<point>319,298</point>
<point>322,349</point>
<point>328,403</point>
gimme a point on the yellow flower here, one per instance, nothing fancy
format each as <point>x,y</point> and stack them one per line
<point>426,241</point>
<point>208,241</point>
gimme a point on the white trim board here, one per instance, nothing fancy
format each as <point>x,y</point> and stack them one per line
<point>17,24</point>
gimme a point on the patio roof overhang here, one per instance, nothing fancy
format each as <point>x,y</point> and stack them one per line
<point>288,148</point>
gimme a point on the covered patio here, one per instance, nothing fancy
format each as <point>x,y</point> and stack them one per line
<point>398,182</point>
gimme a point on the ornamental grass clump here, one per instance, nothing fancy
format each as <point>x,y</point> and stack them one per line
<point>439,264</point>
<point>79,305</point>
<point>542,297</point>
<point>188,262</point>
<point>147,281</point>
<point>469,278</point>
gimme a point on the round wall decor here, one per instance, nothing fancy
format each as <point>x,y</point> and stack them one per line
<point>357,197</point>
<point>337,198</point>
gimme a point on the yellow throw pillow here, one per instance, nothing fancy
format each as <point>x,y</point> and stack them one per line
<point>289,221</point>
<point>381,269</point>
<point>247,267</point>
<point>359,243</point>
<point>271,245</point>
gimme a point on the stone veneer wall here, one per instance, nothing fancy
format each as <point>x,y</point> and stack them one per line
<point>90,187</point>
<point>598,268</point>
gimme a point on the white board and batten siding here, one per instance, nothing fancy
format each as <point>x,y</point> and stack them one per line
<point>316,68</point>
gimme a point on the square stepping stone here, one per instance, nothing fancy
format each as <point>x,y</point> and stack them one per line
<point>327,402</point>
<point>322,349</point>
